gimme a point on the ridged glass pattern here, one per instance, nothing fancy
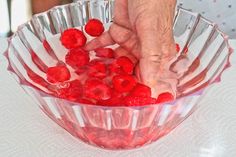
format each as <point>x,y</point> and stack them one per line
<point>36,46</point>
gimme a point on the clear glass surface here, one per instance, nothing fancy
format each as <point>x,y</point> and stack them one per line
<point>36,46</point>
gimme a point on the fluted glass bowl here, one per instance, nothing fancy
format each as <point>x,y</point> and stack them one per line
<point>116,127</point>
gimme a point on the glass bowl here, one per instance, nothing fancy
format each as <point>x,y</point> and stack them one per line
<point>36,46</point>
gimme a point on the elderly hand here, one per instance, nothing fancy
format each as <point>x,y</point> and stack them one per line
<point>143,29</point>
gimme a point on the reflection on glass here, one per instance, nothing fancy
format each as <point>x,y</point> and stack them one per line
<point>4,16</point>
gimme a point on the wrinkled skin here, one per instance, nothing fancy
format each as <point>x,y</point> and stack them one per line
<point>143,29</point>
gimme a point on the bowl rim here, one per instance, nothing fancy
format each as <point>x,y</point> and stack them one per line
<point>44,94</point>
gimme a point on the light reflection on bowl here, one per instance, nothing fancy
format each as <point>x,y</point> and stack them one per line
<point>116,127</point>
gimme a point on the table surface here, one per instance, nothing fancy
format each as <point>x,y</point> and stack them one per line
<point>209,132</point>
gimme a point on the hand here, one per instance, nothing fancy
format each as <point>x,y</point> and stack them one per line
<point>143,29</point>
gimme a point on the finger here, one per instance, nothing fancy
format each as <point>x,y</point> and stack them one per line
<point>156,41</point>
<point>156,74</point>
<point>156,32</point>
<point>137,73</point>
<point>149,71</point>
<point>116,34</point>
<point>125,38</point>
<point>104,40</point>
<point>121,13</point>
<point>157,79</point>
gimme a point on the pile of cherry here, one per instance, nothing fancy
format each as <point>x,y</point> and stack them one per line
<point>103,80</point>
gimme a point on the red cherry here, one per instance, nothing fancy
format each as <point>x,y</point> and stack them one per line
<point>73,92</point>
<point>122,65</point>
<point>177,47</point>
<point>73,38</point>
<point>137,101</point>
<point>81,70</point>
<point>165,97</point>
<point>141,90</point>
<point>97,68</point>
<point>77,57</point>
<point>115,100</point>
<point>94,27</point>
<point>96,89</point>
<point>123,83</point>
<point>58,74</point>
<point>104,52</point>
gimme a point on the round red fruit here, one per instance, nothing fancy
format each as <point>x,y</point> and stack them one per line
<point>94,27</point>
<point>104,52</point>
<point>115,100</point>
<point>141,90</point>
<point>97,69</point>
<point>123,83</point>
<point>73,38</point>
<point>122,65</point>
<point>58,74</point>
<point>73,92</point>
<point>177,47</point>
<point>96,89</point>
<point>77,57</point>
<point>165,97</point>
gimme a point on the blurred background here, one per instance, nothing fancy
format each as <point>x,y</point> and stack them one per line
<point>15,12</point>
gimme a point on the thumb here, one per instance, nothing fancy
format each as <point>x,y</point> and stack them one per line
<point>154,68</point>
<point>157,49</point>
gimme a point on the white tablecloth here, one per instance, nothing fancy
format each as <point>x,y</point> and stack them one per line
<point>26,132</point>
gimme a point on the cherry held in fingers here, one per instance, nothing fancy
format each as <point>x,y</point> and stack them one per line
<point>94,27</point>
